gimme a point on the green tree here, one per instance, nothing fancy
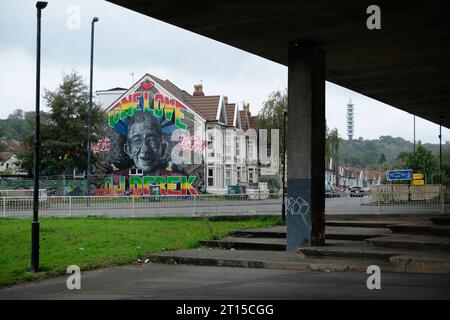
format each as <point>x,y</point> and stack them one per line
<point>382,159</point>
<point>272,117</point>
<point>332,143</point>
<point>64,129</point>
<point>422,161</point>
<point>446,164</point>
<point>2,146</point>
<point>272,114</point>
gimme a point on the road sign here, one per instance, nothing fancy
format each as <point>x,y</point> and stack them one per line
<point>418,182</point>
<point>399,175</point>
<point>417,176</point>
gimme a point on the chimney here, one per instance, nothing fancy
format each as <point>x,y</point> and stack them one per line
<point>247,108</point>
<point>198,90</point>
<point>225,99</point>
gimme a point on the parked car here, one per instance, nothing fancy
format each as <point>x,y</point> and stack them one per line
<point>359,192</point>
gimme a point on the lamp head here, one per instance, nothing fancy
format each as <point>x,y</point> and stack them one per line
<point>95,19</point>
<point>41,4</point>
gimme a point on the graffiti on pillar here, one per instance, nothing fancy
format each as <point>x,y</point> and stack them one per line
<point>297,206</point>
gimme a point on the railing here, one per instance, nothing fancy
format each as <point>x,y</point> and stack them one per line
<point>137,206</point>
<point>381,201</point>
<point>262,203</point>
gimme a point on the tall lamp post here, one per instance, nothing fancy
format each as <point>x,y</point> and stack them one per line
<point>37,143</point>
<point>414,125</point>
<point>88,186</point>
<point>440,148</point>
<point>283,204</point>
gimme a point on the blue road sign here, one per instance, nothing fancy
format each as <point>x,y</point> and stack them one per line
<point>399,175</point>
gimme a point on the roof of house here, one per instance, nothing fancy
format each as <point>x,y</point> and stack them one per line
<point>11,143</point>
<point>112,89</point>
<point>206,105</point>
<point>230,109</point>
<point>253,122</point>
<point>244,120</point>
<point>181,95</point>
<point>5,156</point>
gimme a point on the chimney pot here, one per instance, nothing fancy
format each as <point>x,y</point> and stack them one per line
<point>198,90</point>
<point>247,108</point>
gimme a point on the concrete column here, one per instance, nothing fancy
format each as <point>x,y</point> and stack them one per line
<point>305,208</point>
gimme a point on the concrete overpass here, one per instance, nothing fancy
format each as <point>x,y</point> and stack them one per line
<point>405,64</point>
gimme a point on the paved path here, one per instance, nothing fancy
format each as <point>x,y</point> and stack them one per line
<point>159,281</point>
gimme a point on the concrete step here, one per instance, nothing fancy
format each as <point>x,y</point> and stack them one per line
<point>360,224</point>
<point>421,264</point>
<point>280,260</point>
<point>263,259</point>
<point>441,231</point>
<point>423,228</point>
<point>354,233</point>
<point>412,228</point>
<point>275,244</point>
<point>350,249</point>
<point>331,232</point>
<point>441,221</point>
<point>415,242</point>
<point>274,232</point>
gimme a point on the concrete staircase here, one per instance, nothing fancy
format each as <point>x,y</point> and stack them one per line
<point>417,245</point>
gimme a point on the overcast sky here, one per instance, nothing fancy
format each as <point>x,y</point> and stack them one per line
<point>127,42</point>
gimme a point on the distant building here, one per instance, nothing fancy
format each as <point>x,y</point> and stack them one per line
<point>349,177</point>
<point>8,163</point>
<point>350,120</point>
<point>106,97</point>
<point>8,159</point>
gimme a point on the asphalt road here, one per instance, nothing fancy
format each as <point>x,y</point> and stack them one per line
<point>184,282</point>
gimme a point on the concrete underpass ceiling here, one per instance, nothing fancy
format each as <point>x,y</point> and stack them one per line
<point>406,64</point>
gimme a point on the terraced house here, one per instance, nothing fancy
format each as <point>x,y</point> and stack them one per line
<point>208,139</point>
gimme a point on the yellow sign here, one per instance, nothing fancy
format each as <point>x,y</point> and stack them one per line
<point>418,182</point>
<point>417,176</point>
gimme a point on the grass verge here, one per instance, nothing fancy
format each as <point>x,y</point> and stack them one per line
<point>98,242</point>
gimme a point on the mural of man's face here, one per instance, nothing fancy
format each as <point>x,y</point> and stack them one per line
<point>144,145</point>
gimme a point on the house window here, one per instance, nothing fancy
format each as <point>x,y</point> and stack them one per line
<point>250,149</point>
<point>238,175</point>
<point>210,177</point>
<point>211,145</point>
<point>251,175</point>
<point>228,177</point>
<point>228,146</point>
<point>238,147</point>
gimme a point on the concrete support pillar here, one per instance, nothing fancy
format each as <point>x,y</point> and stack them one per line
<point>305,209</point>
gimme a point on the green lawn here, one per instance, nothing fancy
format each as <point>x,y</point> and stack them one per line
<point>96,242</point>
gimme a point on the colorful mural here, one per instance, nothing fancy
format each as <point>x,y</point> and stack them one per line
<point>153,142</point>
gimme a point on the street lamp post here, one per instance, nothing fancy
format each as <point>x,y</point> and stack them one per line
<point>283,204</point>
<point>37,143</point>
<point>440,148</point>
<point>414,134</point>
<point>88,186</point>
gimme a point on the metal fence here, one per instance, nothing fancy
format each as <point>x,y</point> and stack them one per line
<point>142,206</point>
<point>389,202</point>
<point>262,203</point>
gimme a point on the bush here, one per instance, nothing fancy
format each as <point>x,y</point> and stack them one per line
<point>272,182</point>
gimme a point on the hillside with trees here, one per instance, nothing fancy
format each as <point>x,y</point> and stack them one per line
<point>384,153</point>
